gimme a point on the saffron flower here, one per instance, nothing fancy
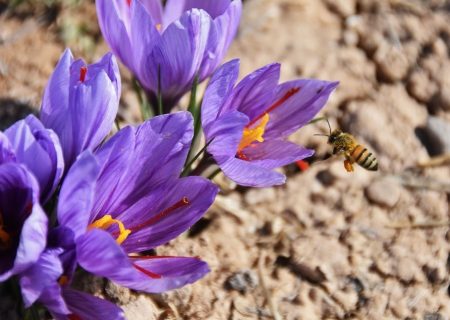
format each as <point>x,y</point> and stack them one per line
<point>80,103</point>
<point>166,48</point>
<point>247,124</point>
<point>23,223</point>
<point>127,199</point>
<point>39,150</point>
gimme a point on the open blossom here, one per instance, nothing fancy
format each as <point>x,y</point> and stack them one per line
<point>23,223</point>
<point>80,103</point>
<point>249,123</point>
<point>127,199</point>
<point>48,282</point>
<point>39,150</point>
<point>185,39</point>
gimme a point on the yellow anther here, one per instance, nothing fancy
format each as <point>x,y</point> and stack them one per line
<point>255,134</point>
<point>158,26</point>
<point>63,280</point>
<point>106,221</point>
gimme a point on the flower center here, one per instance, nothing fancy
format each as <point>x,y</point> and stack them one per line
<point>122,234</point>
<point>252,134</point>
<point>5,237</point>
<point>83,72</point>
<point>106,221</point>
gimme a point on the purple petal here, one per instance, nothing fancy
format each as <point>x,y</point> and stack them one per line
<point>94,107</point>
<point>300,108</point>
<point>41,275</point>
<point>164,215</point>
<point>226,133</point>
<point>55,103</point>
<point>22,215</point>
<point>39,149</point>
<point>272,154</point>
<point>6,150</point>
<point>144,37</point>
<point>248,174</point>
<point>133,165</point>
<point>154,9</point>
<point>97,251</point>
<point>174,272</point>
<point>114,22</point>
<point>214,8</point>
<point>107,64</point>
<point>88,307</point>
<point>179,67</point>
<point>226,26</point>
<point>52,298</point>
<point>77,194</point>
<point>218,90</point>
<point>253,94</point>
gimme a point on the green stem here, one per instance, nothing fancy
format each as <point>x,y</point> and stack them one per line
<point>214,174</point>
<point>187,167</point>
<point>143,101</point>
<point>160,104</point>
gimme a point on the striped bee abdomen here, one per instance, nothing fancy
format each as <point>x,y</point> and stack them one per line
<point>364,158</point>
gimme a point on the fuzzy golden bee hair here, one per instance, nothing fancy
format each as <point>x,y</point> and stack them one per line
<point>344,143</point>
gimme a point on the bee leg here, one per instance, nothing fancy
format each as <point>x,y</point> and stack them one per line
<point>348,166</point>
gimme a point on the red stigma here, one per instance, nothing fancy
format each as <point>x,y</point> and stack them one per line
<point>183,202</point>
<point>147,273</point>
<point>242,156</point>
<point>302,165</point>
<point>128,2</point>
<point>74,317</point>
<point>275,105</point>
<point>83,72</point>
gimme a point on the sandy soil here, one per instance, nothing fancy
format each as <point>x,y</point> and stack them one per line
<point>328,244</point>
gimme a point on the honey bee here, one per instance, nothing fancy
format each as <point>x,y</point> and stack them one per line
<point>344,143</point>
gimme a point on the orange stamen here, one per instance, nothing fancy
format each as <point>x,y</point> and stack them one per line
<point>83,72</point>
<point>63,280</point>
<point>147,273</point>
<point>158,26</point>
<point>183,202</point>
<point>277,103</point>
<point>106,221</point>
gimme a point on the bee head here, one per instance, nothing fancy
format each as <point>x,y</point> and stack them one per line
<point>334,135</point>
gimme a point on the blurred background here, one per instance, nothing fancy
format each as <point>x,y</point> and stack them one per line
<point>328,244</point>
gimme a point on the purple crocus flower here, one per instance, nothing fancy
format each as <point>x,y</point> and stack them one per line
<point>185,39</point>
<point>38,148</point>
<point>23,223</point>
<point>248,123</point>
<point>80,103</point>
<point>128,199</point>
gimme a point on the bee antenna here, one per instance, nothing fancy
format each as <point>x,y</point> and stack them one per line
<point>329,127</point>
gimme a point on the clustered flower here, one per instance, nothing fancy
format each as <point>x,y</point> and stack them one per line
<point>72,196</point>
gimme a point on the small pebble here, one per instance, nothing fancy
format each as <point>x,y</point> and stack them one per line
<point>438,133</point>
<point>242,281</point>
<point>384,192</point>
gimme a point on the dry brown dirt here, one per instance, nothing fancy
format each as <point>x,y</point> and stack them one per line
<point>328,244</point>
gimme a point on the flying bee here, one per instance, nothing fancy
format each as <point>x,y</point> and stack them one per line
<point>344,143</point>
